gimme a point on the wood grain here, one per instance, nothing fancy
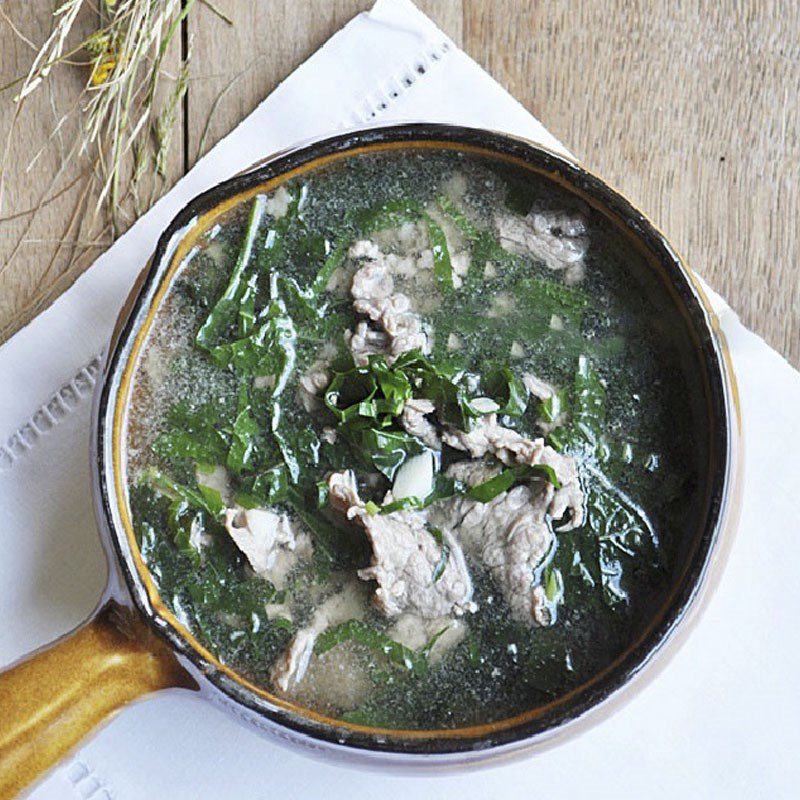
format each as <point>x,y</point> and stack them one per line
<point>689,108</point>
<point>42,254</point>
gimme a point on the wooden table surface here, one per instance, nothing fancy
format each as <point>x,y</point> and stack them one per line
<point>690,108</point>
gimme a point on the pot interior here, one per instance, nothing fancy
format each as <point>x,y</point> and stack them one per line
<point>652,334</point>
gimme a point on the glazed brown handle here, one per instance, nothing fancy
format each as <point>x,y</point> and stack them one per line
<point>50,701</point>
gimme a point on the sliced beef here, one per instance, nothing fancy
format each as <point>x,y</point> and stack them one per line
<point>393,327</point>
<point>414,418</point>
<point>509,534</point>
<point>347,604</point>
<point>270,541</point>
<point>415,573</point>
<point>488,437</point>
<point>559,239</point>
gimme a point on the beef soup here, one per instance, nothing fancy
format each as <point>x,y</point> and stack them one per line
<point>410,444</point>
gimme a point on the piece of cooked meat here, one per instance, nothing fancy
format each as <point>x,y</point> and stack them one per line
<point>406,558</point>
<point>488,437</point>
<point>413,419</point>
<point>540,389</point>
<point>559,239</point>
<point>509,534</point>
<point>347,604</point>
<point>316,378</point>
<point>311,385</point>
<point>365,342</point>
<point>271,542</point>
<point>398,329</point>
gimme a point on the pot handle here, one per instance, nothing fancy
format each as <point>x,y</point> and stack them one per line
<point>52,699</point>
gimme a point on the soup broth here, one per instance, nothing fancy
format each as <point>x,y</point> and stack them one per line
<point>410,444</point>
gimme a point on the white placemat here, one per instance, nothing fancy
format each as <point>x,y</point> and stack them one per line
<point>721,721</point>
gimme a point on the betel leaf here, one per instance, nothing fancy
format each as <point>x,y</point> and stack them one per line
<point>363,634</point>
<point>239,292</point>
<point>388,450</point>
<point>264,489</point>
<point>491,488</point>
<point>244,433</point>
<point>201,497</point>
<point>464,224</point>
<point>442,265</point>
<point>193,433</point>
<point>508,391</point>
<point>444,546</point>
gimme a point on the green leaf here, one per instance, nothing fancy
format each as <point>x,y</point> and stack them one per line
<point>442,266</point>
<point>586,430</point>
<point>348,390</point>
<point>403,504</point>
<point>393,384</point>
<point>245,431</point>
<point>239,293</point>
<point>388,450</point>
<point>551,408</point>
<point>443,488</point>
<point>553,585</point>
<point>299,448</point>
<point>462,222</point>
<point>623,533</point>
<point>323,492</point>
<point>269,350</point>
<point>202,497</point>
<point>181,519</point>
<point>491,488</point>
<point>361,633</point>
<point>441,565</point>
<point>266,488</point>
<point>389,214</point>
<point>508,391</point>
<point>332,263</point>
<point>194,434</point>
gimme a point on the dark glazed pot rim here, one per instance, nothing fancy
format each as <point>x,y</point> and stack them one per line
<point>527,729</point>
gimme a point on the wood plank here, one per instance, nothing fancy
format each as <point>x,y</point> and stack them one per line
<point>42,254</point>
<point>691,110</point>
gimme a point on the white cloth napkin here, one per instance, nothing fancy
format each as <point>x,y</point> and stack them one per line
<point>721,721</point>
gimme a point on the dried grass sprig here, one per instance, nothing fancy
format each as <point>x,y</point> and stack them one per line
<point>125,122</point>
